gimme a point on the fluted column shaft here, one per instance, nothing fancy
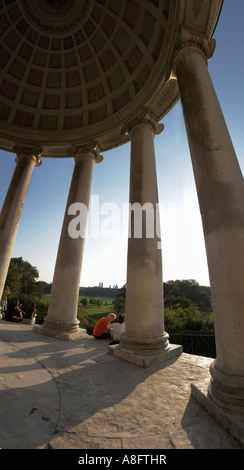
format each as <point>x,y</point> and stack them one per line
<point>61,320</point>
<point>220,188</point>
<point>144,342</point>
<point>12,208</point>
<point>144,294</point>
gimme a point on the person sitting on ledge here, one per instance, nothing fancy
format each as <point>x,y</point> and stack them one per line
<point>118,329</point>
<point>30,314</point>
<point>103,327</point>
<point>18,313</point>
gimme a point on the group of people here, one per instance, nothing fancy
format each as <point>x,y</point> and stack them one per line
<point>105,330</point>
<point>18,314</point>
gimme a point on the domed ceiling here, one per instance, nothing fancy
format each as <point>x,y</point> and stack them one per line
<point>76,71</point>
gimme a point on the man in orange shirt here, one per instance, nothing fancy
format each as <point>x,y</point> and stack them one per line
<point>103,327</point>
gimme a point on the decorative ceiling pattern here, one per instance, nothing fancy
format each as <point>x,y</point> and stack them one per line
<point>75,72</point>
<point>69,64</point>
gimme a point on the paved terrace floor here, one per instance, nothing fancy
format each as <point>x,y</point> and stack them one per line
<point>56,394</point>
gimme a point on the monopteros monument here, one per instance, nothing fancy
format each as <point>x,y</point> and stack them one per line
<point>79,77</point>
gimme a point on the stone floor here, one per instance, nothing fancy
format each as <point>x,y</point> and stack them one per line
<point>57,394</point>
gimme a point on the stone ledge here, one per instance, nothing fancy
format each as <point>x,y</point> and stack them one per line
<point>232,421</point>
<point>29,321</point>
<point>79,333</point>
<point>145,361</point>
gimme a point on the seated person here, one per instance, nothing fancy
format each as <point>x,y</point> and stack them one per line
<point>8,315</point>
<point>18,313</point>
<point>103,327</point>
<point>30,314</point>
<point>118,329</point>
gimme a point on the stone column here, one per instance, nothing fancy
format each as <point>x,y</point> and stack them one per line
<point>220,188</point>
<point>61,321</point>
<point>144,342</point>
<point>26,160</point>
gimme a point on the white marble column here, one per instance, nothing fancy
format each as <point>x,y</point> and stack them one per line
<point>220,188</point>
<point>61,320</point>
<point>12,207</point>
<point>144,342</point>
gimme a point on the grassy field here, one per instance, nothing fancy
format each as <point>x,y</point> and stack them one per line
<point>106,305</point>
<point>87,314</point>
<point>103,305</point>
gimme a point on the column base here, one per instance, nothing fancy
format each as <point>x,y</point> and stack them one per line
<point>231,420</point>
<point>60,330</point>
<point>145,360</point>
<point>226,390</point>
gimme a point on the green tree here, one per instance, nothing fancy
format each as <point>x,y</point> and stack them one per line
<point>84,302</point>
<point>122,292</point>
<point>22,278</point>
<point>28,274</point>
<point>189,289</point>
<point>13,280</point>
<point>119,305</point>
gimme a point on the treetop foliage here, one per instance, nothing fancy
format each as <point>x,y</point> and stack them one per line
<point>22,278</point>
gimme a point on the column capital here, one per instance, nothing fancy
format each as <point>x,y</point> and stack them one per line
<point>144,119</point>
<point>91,149</point>
<point>189,42</point>
<point>33,153</point>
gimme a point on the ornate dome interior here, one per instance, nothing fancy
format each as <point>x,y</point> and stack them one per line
<point>76,71</point>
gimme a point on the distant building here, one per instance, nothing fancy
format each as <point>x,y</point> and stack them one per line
<point>100,284</point>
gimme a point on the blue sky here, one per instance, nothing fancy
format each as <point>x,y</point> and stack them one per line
<point>183,247</point>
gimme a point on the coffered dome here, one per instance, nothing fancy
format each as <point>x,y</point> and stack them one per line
<point>76,71</point>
